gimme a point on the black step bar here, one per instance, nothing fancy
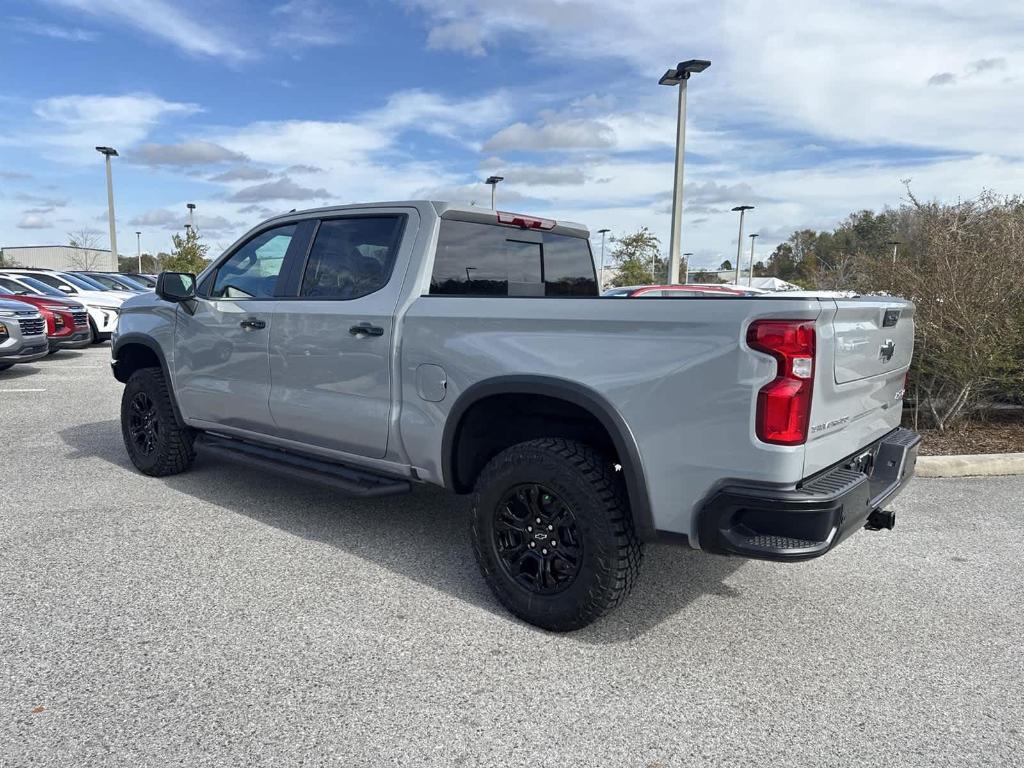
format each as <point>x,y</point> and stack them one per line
<point>353,481</point>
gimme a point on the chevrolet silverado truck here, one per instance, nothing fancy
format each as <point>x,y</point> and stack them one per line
<point>375,347</point>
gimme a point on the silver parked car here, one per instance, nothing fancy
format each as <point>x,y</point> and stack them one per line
<point>22,334</point>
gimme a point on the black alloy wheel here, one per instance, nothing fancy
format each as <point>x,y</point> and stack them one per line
<point>144,423</point>
<point>536,539</point>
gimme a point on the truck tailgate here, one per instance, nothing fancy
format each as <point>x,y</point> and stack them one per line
<point>862,364</point>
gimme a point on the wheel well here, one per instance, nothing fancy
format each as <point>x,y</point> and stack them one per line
<point>133,357</point>
<point>497,422</point>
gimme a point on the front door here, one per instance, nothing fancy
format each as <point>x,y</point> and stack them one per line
<point>222,372</point>
<point>330,346</point>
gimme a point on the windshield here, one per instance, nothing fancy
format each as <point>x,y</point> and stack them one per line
<point>143,279</point>
<point>107,281</point>
<point>41,287</point>
<point>132,282</point>
<point>82,283</point>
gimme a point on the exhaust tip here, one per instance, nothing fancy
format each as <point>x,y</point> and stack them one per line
<point>881,519</point>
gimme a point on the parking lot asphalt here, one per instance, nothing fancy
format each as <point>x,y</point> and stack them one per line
<point>228,617</point>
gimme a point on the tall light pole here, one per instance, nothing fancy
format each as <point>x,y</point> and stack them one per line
<point>750,274</point>
<point>739,240</point>
<point>679,76</point>
<point>191,207</point>
<point>109,152</point>
<point>603,233</point>
<point>892,273</point>
<point>138,245</point>
<point>493,181</point>
<point>685,268</point>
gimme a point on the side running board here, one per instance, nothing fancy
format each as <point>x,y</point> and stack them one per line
<point>353,481</point>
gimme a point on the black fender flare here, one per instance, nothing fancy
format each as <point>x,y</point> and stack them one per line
<point>142,339</point>
<point>577,394</point>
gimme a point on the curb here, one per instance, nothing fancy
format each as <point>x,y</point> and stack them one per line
<point>981,464</point>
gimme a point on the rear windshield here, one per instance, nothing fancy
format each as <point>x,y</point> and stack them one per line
<point>476,259</point>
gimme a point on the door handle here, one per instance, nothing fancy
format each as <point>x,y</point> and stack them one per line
<point>365,329</point>
<point>253,323</point>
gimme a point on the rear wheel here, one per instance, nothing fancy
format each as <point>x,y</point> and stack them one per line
<point>5,366</point>
<point>552,533</point>
<point>156,443</point>
<point>95,334</point>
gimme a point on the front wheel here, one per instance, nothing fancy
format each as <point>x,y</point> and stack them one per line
<point>156,443</point>
<point>552,533</point>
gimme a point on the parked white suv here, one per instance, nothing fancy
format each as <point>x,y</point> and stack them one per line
<point>103,306</point>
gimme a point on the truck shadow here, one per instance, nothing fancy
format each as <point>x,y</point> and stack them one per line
<point>421,536</point>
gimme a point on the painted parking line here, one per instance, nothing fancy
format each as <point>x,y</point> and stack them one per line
<point>13,391</point>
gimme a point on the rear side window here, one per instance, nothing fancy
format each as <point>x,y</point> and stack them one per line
<point>488,260</point>
<point>352,257</point>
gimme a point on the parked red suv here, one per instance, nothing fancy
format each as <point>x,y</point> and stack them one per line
<point>67,322</point>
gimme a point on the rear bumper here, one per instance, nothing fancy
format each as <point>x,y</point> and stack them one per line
<point>807,521</point>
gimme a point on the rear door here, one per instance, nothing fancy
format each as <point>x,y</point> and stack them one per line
<point>331,344</point>
<point>221,365</point>
<point>863,357</point>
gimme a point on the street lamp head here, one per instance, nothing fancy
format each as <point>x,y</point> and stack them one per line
<point>692,66</point>
<point>494,179</point>
<point>108,151</point>
<point>683,71</point>
<point>753,236</point>
<point>190,206</point>
<point>743,208</point>
<point>893,242</point>
<point>137,232</point>
<point>688,253</point>
<point>602,231</point>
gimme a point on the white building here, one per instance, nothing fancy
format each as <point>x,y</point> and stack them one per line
<point>59,257</point>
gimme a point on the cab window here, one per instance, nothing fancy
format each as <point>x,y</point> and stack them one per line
<point>251,272</point>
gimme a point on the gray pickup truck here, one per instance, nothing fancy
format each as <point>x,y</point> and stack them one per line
<point>378,346</point>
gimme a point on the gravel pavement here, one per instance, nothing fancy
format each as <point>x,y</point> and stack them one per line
<point>227,617</point>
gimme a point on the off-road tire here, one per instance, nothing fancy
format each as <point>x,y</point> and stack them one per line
<point>171,446</point>
<point>585,481</point>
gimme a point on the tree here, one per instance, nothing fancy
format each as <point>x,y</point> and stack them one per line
<point>7,261</point>
<point>960,264</point>
<point>188,254</point>
<point>86,255</point>
<point>725,266</point>
<point>638,260</point>
<point>150,264</point>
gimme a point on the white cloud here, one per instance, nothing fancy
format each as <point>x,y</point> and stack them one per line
<point>282,189</point>
<point>461,36</point>
<point>184,154</point>
<point>307,23</point>
<point>72,125</point>
<point>166,21</point>
<point>33,221</point>
<point>55,31</point>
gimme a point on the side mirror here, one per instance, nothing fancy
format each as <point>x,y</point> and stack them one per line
<point>176,286</point>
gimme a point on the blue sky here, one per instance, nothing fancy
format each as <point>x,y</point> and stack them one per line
<point>809,111</point>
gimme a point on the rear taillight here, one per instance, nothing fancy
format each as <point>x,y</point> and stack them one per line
<point>784,404</point>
